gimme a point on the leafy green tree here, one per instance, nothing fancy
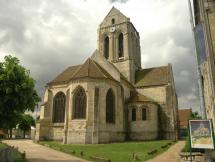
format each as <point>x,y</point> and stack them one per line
<point>194,115</point>
<point>25,123</point>
<point>17,92</point>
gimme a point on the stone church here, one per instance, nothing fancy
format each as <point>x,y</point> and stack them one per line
<point>110,97</point>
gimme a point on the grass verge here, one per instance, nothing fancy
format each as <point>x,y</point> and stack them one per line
<point>16,154</point>
<point>116,152</point>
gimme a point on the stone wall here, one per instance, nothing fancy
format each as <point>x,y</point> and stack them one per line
<point>157,93</point>
<point>143,129</point>
<point>167,109</point>
<point>207,68</point>
<point>211,17</point>
<point>207,90</point>
<point>91,129</point>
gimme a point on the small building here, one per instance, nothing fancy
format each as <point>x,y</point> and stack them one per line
<point>183,121</point>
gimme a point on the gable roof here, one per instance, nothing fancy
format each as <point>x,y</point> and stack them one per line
<point>66,75</point>
<point>89,69</point>
<point>102,62</point>
<point>117,15</point>
<point>98,58</point>
<point>152,76</point>
<point>114,12</point>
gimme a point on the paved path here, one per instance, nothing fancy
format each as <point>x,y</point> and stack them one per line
<point>38,153</point>
<point>171,155</point>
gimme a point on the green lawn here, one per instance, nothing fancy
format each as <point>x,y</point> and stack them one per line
<point>116,152</point>
<point>16,154</point>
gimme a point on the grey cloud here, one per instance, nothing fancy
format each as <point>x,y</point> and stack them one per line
<point>48,37</point>
<point>179,46</point>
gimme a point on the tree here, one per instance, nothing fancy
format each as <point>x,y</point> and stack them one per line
<point>17,92</point>
<point>25,123</point>
<point>194,115</point>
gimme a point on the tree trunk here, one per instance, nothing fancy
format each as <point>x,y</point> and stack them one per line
<point>24,134</point>
<point>10,133</point>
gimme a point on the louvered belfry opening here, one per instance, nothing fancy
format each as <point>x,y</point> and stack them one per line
<point>120,42</point>
<point>106,47</point>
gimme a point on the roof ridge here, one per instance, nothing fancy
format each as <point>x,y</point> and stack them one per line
<point>76,71</point>
<point>98,68</point>
<point>112,9</point>
<point>88,69</point>
<point>104,71</point>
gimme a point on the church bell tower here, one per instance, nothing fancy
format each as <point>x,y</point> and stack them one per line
<point>119,43</point>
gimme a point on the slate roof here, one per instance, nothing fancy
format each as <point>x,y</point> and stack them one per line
<point>89,69</point>
<point>152,76</point>
<point>114,11</point>
<point>66,75</point>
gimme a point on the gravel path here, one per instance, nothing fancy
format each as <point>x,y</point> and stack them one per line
<point>38,153</point>
<point>171,155</point>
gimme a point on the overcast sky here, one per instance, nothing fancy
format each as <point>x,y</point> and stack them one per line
<point>50,35</point>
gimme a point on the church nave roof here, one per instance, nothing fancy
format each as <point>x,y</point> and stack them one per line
<point>152,77</point>
<point>89,69</point>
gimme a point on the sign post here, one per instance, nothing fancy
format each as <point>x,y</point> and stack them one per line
<point>201,134</point>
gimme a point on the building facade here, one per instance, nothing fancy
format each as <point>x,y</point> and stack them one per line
<point>110,97</point>
<point>204,16</point>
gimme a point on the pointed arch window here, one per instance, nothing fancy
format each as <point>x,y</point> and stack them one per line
<point>120,46</point>
<point>59,107</point>
<point>80,102</point>
<point>106,47</point>
<point>113,21</point>
<point>110,107</point>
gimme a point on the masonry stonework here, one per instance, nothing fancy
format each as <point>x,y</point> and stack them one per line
<point>109,97</point>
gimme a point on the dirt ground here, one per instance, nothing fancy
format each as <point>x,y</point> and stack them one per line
<point>38,153</point>
<point>171,155</point>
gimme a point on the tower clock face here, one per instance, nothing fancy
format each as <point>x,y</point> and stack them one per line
<point>112,29</point>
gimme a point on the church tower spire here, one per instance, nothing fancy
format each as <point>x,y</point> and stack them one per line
<point>119,43</point>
